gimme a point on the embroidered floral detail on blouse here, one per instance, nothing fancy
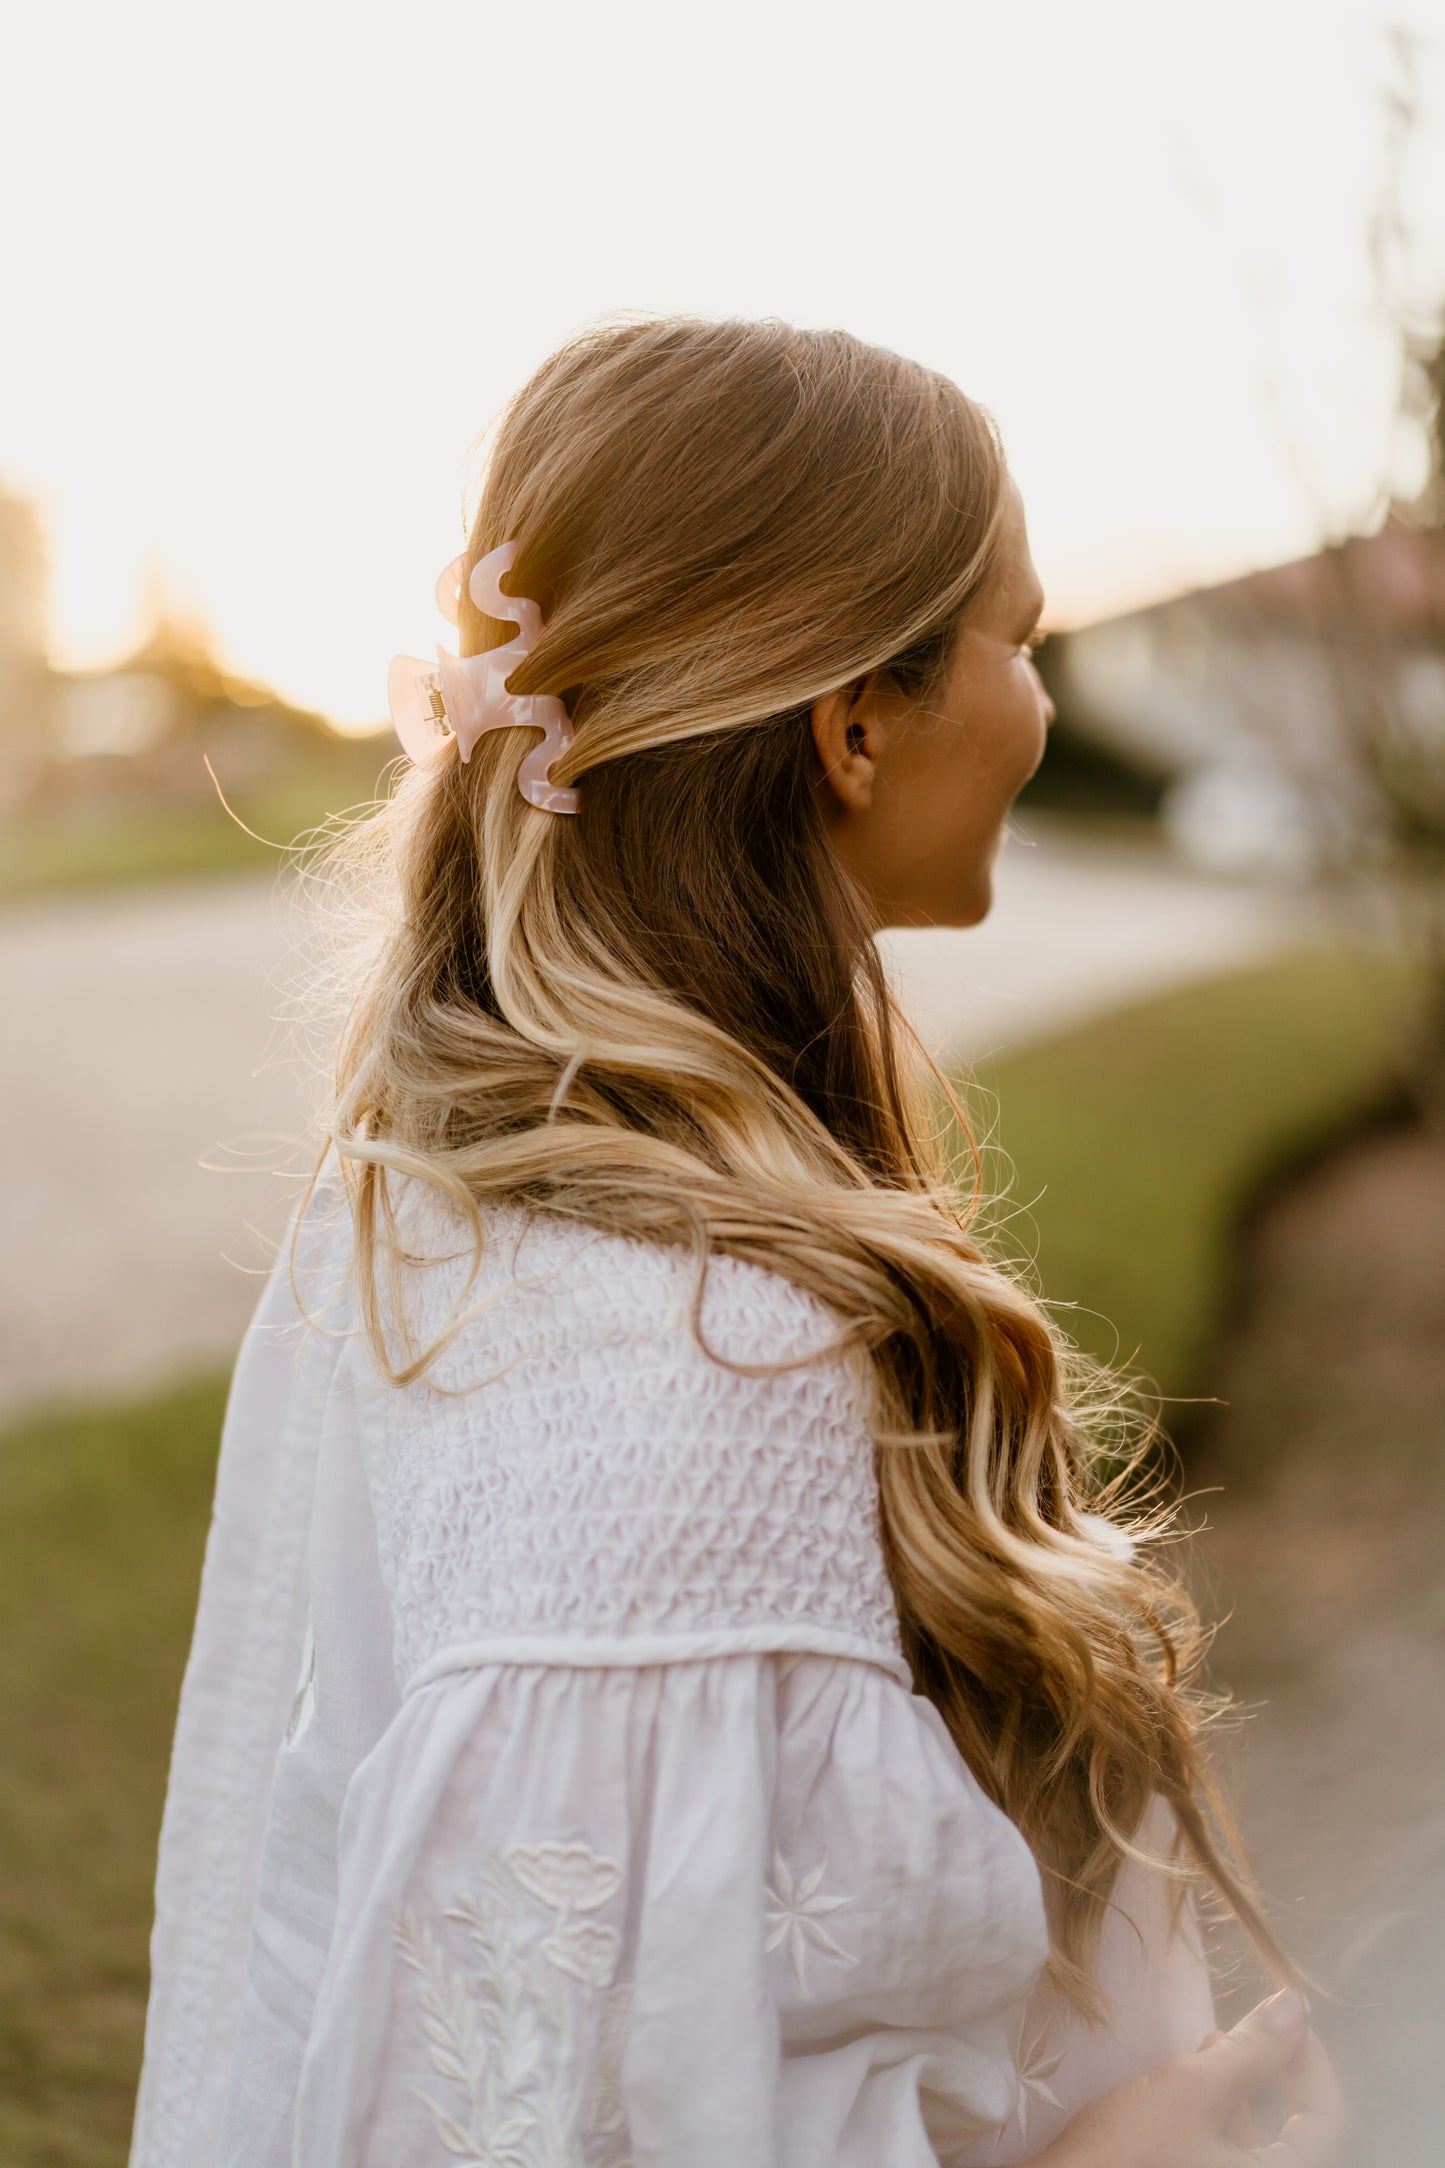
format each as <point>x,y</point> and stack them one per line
<point>539,1967</point>
<point>1035,2067</point>
<point>794,1912</point>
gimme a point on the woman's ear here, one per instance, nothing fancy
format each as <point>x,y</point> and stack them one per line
<point>848,734</point>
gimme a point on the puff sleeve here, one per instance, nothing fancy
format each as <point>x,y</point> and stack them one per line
<point>736,1912</point>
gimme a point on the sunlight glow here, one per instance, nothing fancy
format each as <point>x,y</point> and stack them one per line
<point>279,265</point>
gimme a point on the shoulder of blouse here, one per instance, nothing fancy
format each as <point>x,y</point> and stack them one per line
<point>584,1475</point>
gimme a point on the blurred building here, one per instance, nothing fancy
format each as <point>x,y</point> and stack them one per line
<point>1286,709</point>
<point>143,731</point>
<point>115,714</point>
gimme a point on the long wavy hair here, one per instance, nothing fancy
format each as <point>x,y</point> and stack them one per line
<point>666,1017</point>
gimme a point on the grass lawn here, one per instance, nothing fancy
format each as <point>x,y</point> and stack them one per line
<point>103,1516</point>
<point>1136,1142</point>
<point>60,849</point>
<point>1129,1148</point>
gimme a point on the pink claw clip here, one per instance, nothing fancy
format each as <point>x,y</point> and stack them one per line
<point>463,696</point>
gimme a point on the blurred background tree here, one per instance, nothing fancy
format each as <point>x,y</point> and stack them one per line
<point>1290,722</point>
<point>24,672</point>
<point>119,774</point>
<point>1370,772</point>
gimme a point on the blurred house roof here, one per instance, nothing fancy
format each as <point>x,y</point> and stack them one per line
<point>1395,580</point>
<point>1249,669</point>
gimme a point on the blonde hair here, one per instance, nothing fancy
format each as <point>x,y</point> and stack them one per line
<point>666,1016</point>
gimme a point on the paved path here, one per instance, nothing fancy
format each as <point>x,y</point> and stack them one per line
<point>1323,1484</point>
<point>156,1112</point>
<point>1077,928</point>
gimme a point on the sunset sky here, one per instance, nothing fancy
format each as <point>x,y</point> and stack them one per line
<point>268,271</point>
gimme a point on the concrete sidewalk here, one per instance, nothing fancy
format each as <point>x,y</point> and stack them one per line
<point>1079,927</point>
<point>158,1113</point>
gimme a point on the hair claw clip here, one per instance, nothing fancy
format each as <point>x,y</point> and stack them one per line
<point>464,696</point>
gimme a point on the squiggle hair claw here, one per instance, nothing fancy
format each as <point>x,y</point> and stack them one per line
<point>464,696</point>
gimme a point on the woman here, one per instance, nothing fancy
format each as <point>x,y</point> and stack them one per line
<point>667,1688</point>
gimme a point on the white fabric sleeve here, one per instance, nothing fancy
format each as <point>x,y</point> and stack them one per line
<point>1155,1979</point>
<point>745,1912</point>
<point>239,1683</point>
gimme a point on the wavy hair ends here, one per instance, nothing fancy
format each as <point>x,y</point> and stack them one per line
<point>666,1016</point>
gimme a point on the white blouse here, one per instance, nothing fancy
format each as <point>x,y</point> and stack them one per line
<point>548,1787</point>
